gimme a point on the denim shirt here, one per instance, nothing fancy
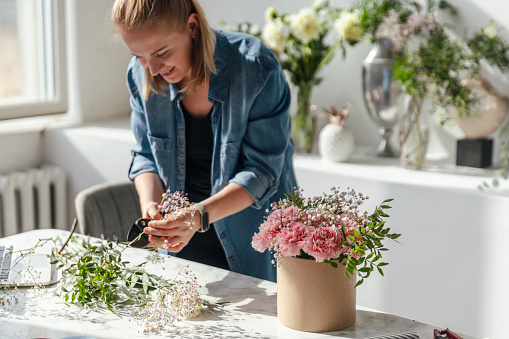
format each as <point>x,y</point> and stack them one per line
<point>252,143</point>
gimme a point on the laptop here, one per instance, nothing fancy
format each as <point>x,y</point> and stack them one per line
<point>19,268</point>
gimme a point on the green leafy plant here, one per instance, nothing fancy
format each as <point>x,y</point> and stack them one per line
<point>436,70</point>
<point>94,275</point>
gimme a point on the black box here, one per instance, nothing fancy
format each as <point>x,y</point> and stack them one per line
<point>474,152</point>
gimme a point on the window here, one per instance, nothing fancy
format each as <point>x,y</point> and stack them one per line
<point>32,58</point>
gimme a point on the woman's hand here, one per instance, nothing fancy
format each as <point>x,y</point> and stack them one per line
<point>150,211</point>
<point>175,232</point>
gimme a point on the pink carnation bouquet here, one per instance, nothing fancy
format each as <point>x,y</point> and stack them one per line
<point>328,228</point>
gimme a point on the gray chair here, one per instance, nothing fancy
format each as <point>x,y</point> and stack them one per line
<point>107,209</point>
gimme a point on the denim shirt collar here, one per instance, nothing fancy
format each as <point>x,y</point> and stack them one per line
<point>218,83</point>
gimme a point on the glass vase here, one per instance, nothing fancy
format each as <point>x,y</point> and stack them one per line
<point>304,123</point>
<point>413,132</point>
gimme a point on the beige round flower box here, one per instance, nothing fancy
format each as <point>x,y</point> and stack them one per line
<point>314,297</point>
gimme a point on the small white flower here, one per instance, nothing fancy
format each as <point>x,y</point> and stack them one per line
<point>490,31</point>
<point>348,27</point>
<point>319,4</point>
<point>275,34</point>
<point>270,13</point>
<point>305,25</point>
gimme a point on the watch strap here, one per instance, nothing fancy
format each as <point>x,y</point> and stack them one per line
<point>205,225</point>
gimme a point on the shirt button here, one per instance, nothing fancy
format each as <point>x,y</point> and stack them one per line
<point>180,170</point>
<point>232,258</point>
<point>215,118</point>
<point>223,235</point>
<point>181,142</point>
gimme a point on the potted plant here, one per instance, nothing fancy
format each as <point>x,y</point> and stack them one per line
<point>321,245</point>
<point>441,68</point>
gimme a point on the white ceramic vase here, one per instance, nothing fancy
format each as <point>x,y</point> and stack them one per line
<point>336,143</point>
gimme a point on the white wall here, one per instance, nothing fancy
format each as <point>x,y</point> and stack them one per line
<point>97,63</point>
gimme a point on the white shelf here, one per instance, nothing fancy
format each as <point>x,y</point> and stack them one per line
<point>441,174</point>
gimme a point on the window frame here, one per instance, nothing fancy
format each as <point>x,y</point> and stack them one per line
<point>54,61</point>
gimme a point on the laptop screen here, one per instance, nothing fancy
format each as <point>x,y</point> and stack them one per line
<point>23,268</point>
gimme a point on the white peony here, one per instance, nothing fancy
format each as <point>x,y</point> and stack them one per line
<point>305,25</point>
<point>347,26</point>
<point>275,34</point>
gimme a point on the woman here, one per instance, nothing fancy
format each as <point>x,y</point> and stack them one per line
<point>210,117</point>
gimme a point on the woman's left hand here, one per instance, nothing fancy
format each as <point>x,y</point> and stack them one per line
<point>174,232</point>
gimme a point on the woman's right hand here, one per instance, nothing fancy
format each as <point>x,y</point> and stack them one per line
<point>151,211</point>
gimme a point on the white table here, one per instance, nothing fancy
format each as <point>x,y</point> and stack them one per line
<point>250,314</point>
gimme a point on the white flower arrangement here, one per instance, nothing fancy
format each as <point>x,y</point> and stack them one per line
<point>348,27</point>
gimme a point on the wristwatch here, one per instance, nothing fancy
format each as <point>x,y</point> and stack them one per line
<point>204,218</point>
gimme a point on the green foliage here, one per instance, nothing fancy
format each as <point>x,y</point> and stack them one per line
<point>434,69</point>
<point>367,246</point>
<point>95,275</point>
<point>490,47</point>
<point>373,13</point>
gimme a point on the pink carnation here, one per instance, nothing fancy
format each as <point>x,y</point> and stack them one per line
<point>269,229</point>
<point>292,239</point>
<point>266,235</point>
<point>323,243</point>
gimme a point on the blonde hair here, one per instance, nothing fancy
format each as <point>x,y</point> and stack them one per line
<point>133,15</point>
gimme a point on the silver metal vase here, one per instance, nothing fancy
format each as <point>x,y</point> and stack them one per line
<point>381,93</point>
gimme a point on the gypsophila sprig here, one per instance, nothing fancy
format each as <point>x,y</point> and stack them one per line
<point>166,306</point>
<point>174,204</point>
<point>330,228</point>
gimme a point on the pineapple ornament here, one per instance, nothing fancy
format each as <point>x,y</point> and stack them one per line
<point>336,141</point>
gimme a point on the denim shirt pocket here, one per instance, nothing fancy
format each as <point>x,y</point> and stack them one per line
<point>229,155</point>
<point>161,149</point>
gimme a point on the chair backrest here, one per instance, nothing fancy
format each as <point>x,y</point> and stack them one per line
<point>107,209</point>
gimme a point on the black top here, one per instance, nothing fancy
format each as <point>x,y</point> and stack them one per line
<point>199,145</point>
<point>203,247</point>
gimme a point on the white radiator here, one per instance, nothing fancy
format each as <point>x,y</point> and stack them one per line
<point>32,199</point>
